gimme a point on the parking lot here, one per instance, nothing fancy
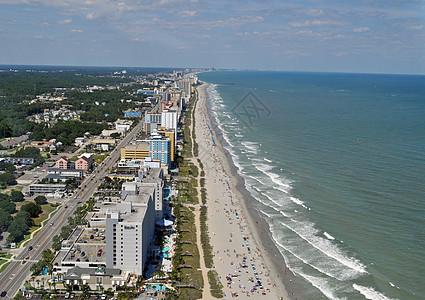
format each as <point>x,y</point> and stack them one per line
<point>89,246</point>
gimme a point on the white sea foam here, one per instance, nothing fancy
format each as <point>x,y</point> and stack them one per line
<point>328,235</point>
<point>370,293</point>
<point>307,232</point>
<point>282,184</point>
<point>320,284</point>
<point>299,202</point>
<point>294,253</point>
<point>267,160</point>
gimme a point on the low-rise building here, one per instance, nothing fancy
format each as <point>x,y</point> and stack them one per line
<point>63,163</point>
<point>138,151</point>
<point>83,163</point>
<point>18,160</point>
<point>96,278</point>
<point>79,141</point>
<point>123,125</point>
<point>65,173</point>
<point>46,188</point>
<point>104,144</point>
<point>42,145</point>
<point>132,114</point>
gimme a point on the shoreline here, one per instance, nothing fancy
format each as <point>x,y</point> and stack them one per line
<point>282,279</point>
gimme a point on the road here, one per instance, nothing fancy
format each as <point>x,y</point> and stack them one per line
<point>14,276</point>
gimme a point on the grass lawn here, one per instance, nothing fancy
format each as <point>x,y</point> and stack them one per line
<point>47,209</point>
<point>11,188</point>
<point>8,255</point>
<point>4,266</point>
<point>99,158</point>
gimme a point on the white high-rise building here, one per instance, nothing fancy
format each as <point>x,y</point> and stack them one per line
<point>169,119</point>
<point>147,177</point>
<point>130,227</point>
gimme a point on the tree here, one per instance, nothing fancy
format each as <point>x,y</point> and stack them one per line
<point>40,200</point>
<point>19,227</point>
<point>5,219</point>
<point>7,178</point>
<point>6,166</point>
<point>6,205</point>
<point>116,135</point>
<point>57,243</point>
<point>16,196</point>
<point>33,209</point>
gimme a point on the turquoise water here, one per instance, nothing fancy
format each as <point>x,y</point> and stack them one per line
<point>336,163</point>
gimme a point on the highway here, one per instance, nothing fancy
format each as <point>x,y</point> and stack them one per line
<point>14,276</point>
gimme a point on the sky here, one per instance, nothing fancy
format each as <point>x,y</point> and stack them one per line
<point>362,36</point>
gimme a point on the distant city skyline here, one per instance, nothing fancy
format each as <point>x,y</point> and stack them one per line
<point>364,36</point>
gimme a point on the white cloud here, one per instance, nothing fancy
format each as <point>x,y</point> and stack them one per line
<point>361,29</point>
<point>415,27</point>
<point>340,53</point>
<point>309,23</point>
<point>66,21</point>
<point>42,37</point>
<point>312,12</point>
<point>76,30</point>
<point>187,13</point>
<point>137,39</point>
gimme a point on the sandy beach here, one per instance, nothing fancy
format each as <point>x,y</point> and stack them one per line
<point>243,259</point>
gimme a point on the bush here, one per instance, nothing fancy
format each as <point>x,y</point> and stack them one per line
<point>215,284</point>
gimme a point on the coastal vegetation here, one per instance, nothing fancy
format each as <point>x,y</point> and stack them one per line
<point>191,186</point>
<point>215,284</point>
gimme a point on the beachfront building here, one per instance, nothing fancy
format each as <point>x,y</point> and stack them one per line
<point>96,278</point>
<point>147,177</point>
<point>130,227</point>
<point>160,149</point>
<point>169,119</point>
<point>170,133</point>
<point>152,122</point>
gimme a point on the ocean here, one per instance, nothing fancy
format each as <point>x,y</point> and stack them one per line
<point>336,165</point>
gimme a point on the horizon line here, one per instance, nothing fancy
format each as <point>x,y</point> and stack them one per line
<point>215,69</point>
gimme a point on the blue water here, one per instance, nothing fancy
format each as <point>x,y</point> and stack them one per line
<point>336,163</point>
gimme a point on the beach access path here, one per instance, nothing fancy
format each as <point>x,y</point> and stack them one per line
<point>242,268</point>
